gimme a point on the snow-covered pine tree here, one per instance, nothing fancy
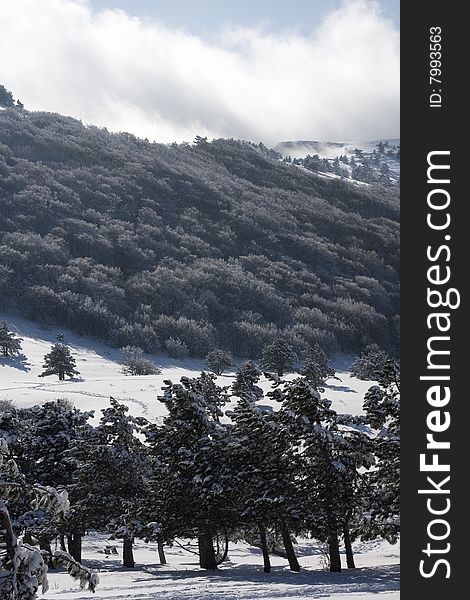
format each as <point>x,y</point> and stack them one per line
<point>42,442</point>
<point>382,408</point>
<point>10,345</point>
<point>111,476</point>
<point>218,360</point>
<point>311,424</point>
<point>278,357</point>
<point>370,364</point>
<point>266,470</point>
<point>316,368</point>
<point>59,361</point>
<point>23,569</point>
<point>191,455</point>
<point>245,382</point>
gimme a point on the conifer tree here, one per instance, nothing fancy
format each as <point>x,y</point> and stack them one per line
<point>329,465</point>
<point>316,368</point>
<point>382,408</point>
<point>218,360</point>
<point>10,345</point>
<point>111,476</point>
<point>59,362</point>
<point>245,382</point>
<point>278,357</point>
<point>370,364</point>
<point>191,456</point>
<point>266,468</point>
<point>22,566</point>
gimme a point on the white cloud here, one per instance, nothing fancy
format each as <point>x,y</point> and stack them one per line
<point>114,70</point>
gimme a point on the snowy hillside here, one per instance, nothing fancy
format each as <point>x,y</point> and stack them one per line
<point>101,376</point>
<point>239,578</point>
<point>376,161</point>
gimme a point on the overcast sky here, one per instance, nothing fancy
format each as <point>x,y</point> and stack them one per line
<point>265,70</point>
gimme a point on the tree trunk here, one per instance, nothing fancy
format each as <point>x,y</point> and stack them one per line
<point>70,544</point>
<point>223,558</point>
<point>333,546</point>
<point>161,550</point>
<point>28,538</point>
<point>128,552</point>
<point>76,549</point>
<point>264,548</point>
<point>291,557</point>
<point>207,558</point>
<point>348,546</point>
<point>62,543</point>
<point>7,537</point>
<point>46,547</point>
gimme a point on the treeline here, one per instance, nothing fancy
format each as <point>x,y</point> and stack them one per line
<point>220,466</point>
<point>184,248</point>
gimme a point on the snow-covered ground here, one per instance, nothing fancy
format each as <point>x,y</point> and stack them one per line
<point>101,376</point>
<point>242,577</point>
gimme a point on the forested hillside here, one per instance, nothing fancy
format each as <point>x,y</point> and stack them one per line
<point>209,244</point>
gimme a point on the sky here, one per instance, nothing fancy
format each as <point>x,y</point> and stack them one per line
<point>168,70</point>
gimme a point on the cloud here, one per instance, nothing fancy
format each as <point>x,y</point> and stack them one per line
<point>107,68</point>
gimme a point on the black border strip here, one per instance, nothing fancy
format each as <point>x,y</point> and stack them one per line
<point>425,129</point>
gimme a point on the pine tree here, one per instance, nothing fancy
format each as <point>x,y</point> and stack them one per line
<point>111,476</point>
<point>316,368</point>
<point>370,364</point>
<point>22,566</point>
<point>266,470</point>
<point>278,357</point>
<point>382,408</point>
<point>191,457</point>
<point>59,362</point>
<point>42,440</point>
<point>245,382</point>
<point>218,360</point>
<point>10,345</point>
<point>330,459</point>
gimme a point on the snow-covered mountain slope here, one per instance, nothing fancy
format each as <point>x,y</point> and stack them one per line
<point>101,376</point>
<point>376,161</point>
<point>240,578</point>
<point>300,149</point>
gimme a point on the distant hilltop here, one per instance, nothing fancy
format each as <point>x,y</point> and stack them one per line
<point>301,148</point>
<point>362,163</point>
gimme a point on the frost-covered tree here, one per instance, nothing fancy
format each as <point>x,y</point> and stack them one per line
<point>42,439</point>
<point>382,408</point>
<point>278,357</point>
<point>329,466</point>
<point>23,568</point>
<point>245,382</point>
<point>370,364</point>
<point>6,98</point>
<point>218,360</point>
<point>176,348</point>
<point>316,368</point>
<point>190,453</point>
<point>10,345</point>
<point>266,470</point>
<point>59,361</point>
<point>136,364</point>
<point>111,476</point>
